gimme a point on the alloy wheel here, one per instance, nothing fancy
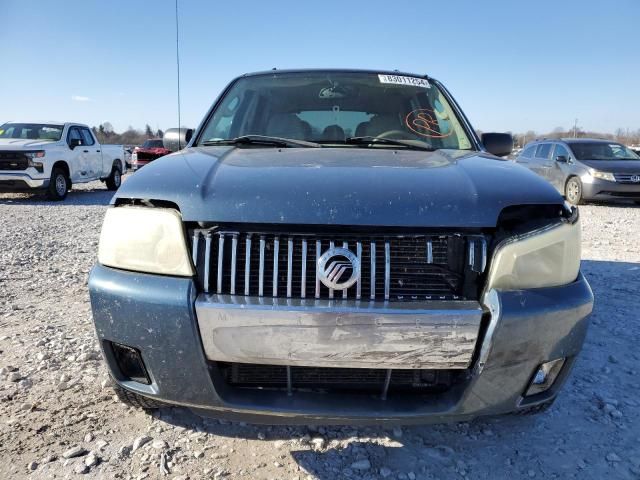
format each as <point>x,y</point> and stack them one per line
<point>61,185</point>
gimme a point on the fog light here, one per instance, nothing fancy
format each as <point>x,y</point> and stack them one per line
<point>130,363</point>
<point>545,376</point>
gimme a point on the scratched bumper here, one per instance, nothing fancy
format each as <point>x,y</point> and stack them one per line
<point>179,333</point>
<point>341,334</point>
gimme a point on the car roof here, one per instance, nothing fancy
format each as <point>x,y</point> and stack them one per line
<point>334,70</point>
<point>569,141</point>
<point>47,122</point>
<point>588,140</point>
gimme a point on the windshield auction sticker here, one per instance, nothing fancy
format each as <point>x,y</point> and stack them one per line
<point>401,80</point>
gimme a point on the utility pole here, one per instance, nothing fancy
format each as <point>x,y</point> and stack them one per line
<point>575,128</point>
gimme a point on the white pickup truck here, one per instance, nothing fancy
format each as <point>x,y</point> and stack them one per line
<point>52,156</point>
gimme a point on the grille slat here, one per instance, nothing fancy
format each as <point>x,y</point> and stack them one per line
<point>261,268</point>
<point>207,256</point>
<point>387,269</point>
<point>359,282</point>
<point>392,267</point>
<point>372,259</point>
<point>220,262</point>
<point>234,253</point>
<point>318,247</point>
<point>276,251</point>
<point>247,265</point>
<point>303,280</point>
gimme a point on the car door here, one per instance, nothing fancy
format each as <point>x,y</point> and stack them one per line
<point>93,156</point>
<point>558,170</point>
<point>76,154</point>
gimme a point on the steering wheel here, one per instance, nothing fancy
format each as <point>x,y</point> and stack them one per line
<point>397,134</point>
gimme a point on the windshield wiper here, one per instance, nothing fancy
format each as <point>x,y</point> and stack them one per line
<point>370,140</point>
<point>263,140</point>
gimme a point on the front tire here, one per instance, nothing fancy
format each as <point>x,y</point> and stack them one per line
<point>114,180</point>
<point>573,191</point>
<point>59,185</point>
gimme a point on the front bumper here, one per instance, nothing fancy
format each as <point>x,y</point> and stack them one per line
<point>20,182</point>
<point>159,316</point>
<point>598,189</point>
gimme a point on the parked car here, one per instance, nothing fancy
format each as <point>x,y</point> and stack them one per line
<point>281,270</point>
<point>53,156</point>
<point>585,169</point>
<point>149,151</point>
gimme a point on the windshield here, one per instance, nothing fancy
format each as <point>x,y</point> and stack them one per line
<point>31,131</point>
<point>602,151</point>
<point>153,144</point>
<point>331,107</point>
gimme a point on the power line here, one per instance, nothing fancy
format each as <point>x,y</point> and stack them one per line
<point>178,68</point>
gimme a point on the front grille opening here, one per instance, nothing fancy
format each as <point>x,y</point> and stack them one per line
<point>323,380</point>
<point>13,161</point>
<point>392,267</point>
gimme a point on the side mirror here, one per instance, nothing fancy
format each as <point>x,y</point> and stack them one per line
<point>175,139</point>
<point>499,144</point>
<point>562,159</point>
<point>75,142</point>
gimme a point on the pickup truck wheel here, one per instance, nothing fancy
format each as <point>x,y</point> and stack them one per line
<point>58,185</point>
<point>135,400</point>
<point>573,191</point>
<point>114,180</point>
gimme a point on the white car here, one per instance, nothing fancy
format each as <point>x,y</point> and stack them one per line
<point>52,156</point>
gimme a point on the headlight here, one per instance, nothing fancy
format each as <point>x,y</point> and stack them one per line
<point>602,175</point>
<point>144,240</point>
<point>36,154</point>
<point>546,258</point>
<point>39,166</point>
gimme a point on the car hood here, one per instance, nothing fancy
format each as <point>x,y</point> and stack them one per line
<point>614,166</point>
<point>9,143</point>
<point>339,186</point>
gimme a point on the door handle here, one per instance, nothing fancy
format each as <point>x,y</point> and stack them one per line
<point>86,151</point>
<point>98,151</point>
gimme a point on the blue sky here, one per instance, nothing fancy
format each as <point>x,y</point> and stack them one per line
<point>512,65</point>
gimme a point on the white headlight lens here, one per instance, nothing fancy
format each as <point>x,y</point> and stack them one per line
<point>546,259</point>
<point>603,175</point>
<point>144,240</point>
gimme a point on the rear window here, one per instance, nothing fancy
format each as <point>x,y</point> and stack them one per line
<point>153,144</point>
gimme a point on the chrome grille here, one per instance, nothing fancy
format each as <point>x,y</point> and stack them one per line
<point>627,177</point>
<point>392,267</point>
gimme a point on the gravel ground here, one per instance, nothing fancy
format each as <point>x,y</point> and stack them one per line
<point>59,419</point>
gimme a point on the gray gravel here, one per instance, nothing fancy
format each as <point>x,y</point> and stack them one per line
<point>59,418</point>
